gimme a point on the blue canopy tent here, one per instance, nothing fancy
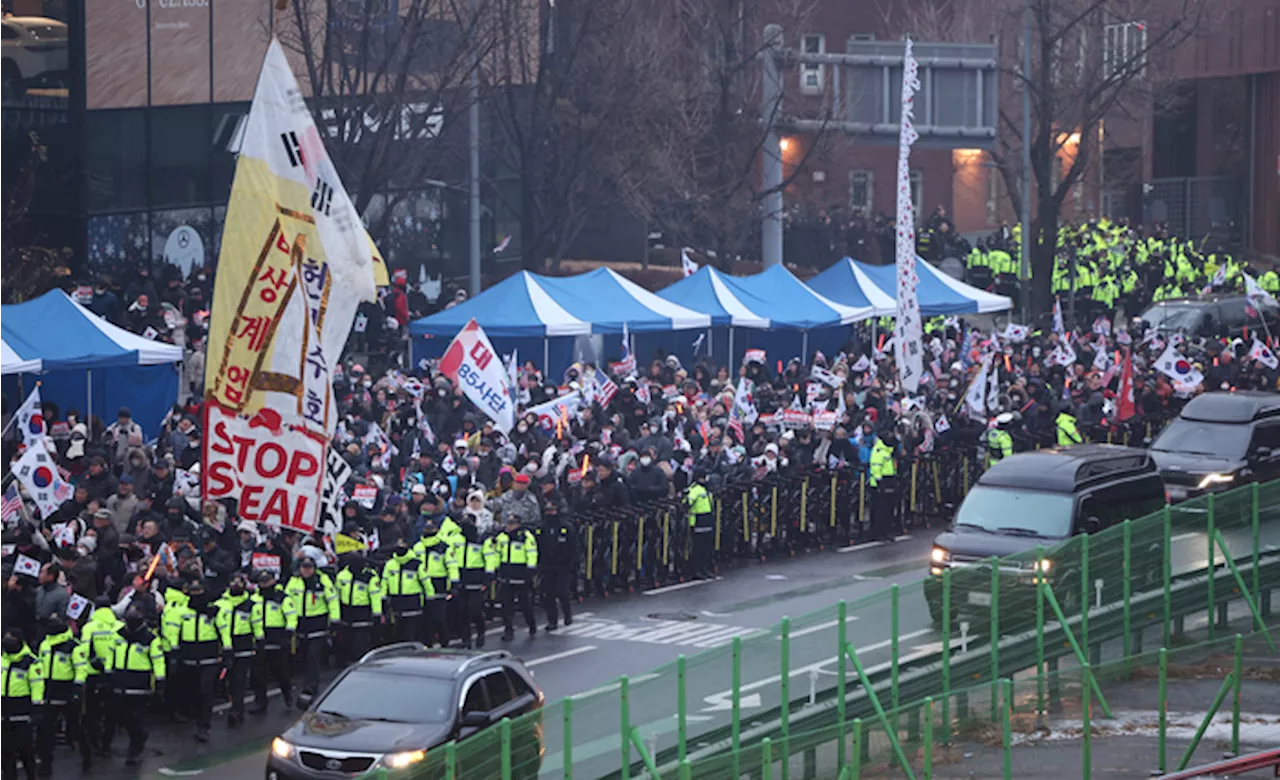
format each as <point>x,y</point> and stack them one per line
<point>849,281</point>
<point>84,362</point>
<point>801,319</point>
<point>706,291</point>
<point>517,314</point>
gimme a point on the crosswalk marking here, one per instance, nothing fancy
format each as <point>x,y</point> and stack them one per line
<point>658,632</point>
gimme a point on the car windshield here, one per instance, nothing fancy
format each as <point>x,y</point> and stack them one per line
<point>365,694</point>
<point>1016,511</point>
<point>1172,316</point>
<point>1220,440</point>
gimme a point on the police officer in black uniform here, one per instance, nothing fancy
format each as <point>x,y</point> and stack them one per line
<point>557,563</point>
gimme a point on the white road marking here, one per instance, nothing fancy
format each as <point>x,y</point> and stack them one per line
<point>750,701</point>
<point>677,586</point>
<point>1188,535</point>
<point>820,627</point>
<point>613,686</point>
<point>167,772</point>
<point>715,614</point>
<point>856,547</point>
<point>546,659</point>
<point>902,538</point>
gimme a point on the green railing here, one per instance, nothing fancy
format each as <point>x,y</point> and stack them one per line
<point>919,658</point>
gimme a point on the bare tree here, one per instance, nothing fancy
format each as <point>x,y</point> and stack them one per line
<point>702,185</point>
<point>570,89</point>
<point>385,79</point>
<point>1091,60</point>
<point>30,267</point>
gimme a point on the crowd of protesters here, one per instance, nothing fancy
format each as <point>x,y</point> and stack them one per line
<point>198,605</point>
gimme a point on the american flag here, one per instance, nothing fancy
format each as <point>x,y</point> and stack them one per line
<point>735,424</point>
<point>626,366</point>
<point>605,391</point>
<point>12,503</point>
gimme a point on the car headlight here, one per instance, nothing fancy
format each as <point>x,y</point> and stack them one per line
<point>1044,564</point>
<point>402,760</point>
<point>1216,479</point>
<point>940,555</point>
<point>281,748</point>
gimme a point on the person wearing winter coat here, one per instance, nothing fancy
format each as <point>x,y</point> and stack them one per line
<point>648,481</point>
<point>480,514</point>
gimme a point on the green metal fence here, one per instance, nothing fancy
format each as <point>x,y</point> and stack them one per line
<point>1063,619</point>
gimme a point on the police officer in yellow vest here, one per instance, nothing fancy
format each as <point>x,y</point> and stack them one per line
<point>137,670</point>
<point>882,478</point>
<point>999,440</point>
<point>436,549</point>
<point>21,690</point>
<point>407,586</point>
<point>200,652</point>
<point>239,637</point>
<point>1068,431</point>
<point>359,598</point>
<point>64,662</point>
<point>701,525</point>
<point>99,633</point>
<point>315,602</point>
<point>477,563</point>
<point>517,552</point>
<point>274,624</point>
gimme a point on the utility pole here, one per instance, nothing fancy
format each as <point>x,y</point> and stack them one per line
<point>1024,278</point>
<point>473,143</point>
<point>771,153</point>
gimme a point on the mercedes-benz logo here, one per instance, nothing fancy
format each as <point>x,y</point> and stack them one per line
<point>333,764</point>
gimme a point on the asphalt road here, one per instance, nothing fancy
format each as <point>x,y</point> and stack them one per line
<point>633,635</point>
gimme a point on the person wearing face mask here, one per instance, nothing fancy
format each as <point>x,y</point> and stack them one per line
<point>22,691</point>
<point>316,604</point>
<point>698,499</point>
<point>882,478</point>
<point>199,651</point>
<point>137,670</point>
<point>477,564</point>
<point>99,632</point>
<point>274,625</point>
<point>648,481</point>
<point>518,502</point>
<point>236,629</point>
<point>557,560</point>
<point>64,663</point>
<point>405,580</point>
<point>436,550</point>
<point>359,597</point>
<point>517,553</point>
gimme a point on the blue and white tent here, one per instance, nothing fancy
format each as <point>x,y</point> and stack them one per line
<point>848,281</point>
<point>707,291</point>
<point>516,307</point>
<point>789,303</point>
<point>85,362</point>
<point>608,300</point>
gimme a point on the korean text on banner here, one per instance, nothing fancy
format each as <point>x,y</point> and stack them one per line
<point>295,263</point>
<point>908,331</point>
<point>471,362</point>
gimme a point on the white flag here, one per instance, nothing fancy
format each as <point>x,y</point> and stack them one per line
<point>1062,355</point>
<point>39,475</point>
<point>1016,333</point>
<point>29,419</point>
<point>1263,354</point>
<point>686,263</point>
<point>976,398</point>
<point>1255,292</point>
<point>27,566</point>
<point>1058,327</point>
<point>907,331</point>
<point>471,362</point>
<point>1172,364</point>
<point>76,606</point>
<point>942,425</point>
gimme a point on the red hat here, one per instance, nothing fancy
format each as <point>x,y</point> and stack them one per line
<point>522,479</point>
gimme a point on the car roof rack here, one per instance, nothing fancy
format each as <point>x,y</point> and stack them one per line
<point>393,649</point>
<point>493,655</point>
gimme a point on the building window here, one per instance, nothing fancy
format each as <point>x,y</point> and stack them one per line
<point>811,75</point>
<point>917,193</point>
<point>1124,49</point>
<point>862,37</point>
<point>861,191</point>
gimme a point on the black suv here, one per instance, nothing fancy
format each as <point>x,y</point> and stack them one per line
<point>1039,499</point>
<point>1215,315</point>
<point>398,702</point>
<point>1220,440</point>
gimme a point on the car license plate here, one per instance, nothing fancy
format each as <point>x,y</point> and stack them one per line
<point>979,599</point>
